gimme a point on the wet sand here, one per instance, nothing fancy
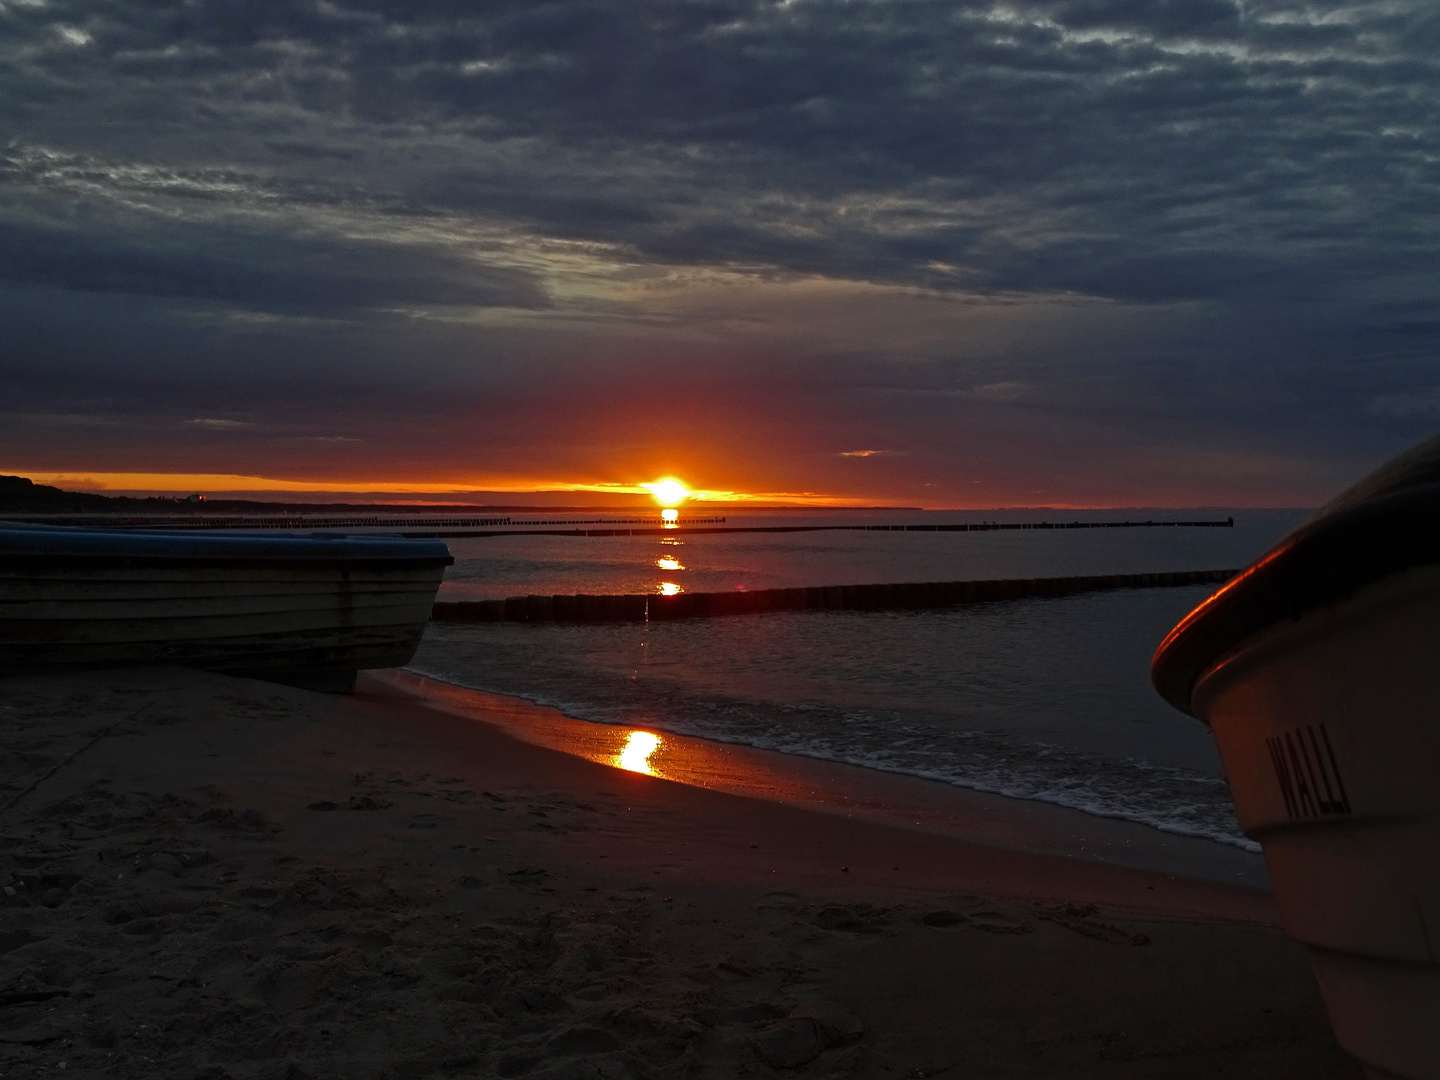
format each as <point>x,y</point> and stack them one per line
<point>211,877</point>
<point>865,794</point>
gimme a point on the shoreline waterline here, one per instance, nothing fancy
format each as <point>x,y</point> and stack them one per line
<point>1034,700</point>
<point>1030,699</point>
<point>937,806</point>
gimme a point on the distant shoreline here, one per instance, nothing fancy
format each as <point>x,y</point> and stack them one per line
<point>19,495</point>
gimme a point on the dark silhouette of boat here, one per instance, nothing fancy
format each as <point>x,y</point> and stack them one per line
<point>309,610</point>
<point>1318,671</point>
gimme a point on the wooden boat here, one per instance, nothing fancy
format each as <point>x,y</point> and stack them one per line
<point>309,610</point>
<point>1318,671</point>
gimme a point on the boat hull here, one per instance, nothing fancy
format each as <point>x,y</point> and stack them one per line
<point>285,608</point>
<point>1327,728</point>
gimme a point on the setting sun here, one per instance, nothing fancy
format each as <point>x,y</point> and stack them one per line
<point>668,492</point>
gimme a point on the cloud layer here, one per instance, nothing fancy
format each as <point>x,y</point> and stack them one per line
<point>1093,250</point>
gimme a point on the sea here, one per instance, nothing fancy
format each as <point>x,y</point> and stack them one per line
<point>1040,699</point>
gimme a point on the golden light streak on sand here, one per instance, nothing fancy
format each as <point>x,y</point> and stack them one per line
<point>635,755</point>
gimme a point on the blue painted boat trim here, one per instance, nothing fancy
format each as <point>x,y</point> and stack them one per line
<point>91,544</point>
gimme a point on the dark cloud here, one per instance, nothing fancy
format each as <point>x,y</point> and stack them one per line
<point>1165,17</point>
<point>1249,188</point>
<point>266,271</point>
<point>1142,125</point>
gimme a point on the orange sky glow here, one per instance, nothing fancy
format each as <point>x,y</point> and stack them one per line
<point>524,282</point>
<point>236,485</point>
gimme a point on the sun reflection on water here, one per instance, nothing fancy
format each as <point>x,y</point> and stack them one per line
<point>635,755</point>
<point>668,562</point>
<point>669,588</point>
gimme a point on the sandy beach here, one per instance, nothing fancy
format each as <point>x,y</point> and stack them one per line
<point>215,877</point>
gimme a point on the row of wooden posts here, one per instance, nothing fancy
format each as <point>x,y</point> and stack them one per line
<point>927,594</point>
<point>700,526</point>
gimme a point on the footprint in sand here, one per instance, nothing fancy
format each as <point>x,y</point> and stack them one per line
<point>943,918</point>
<point>1080,919</point>
<point>853,918</point>
<point>777,901</point>
<point>369,802</point>
<point>997,922</point>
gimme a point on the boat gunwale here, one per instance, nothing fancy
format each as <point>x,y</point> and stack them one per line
<point>228,562</point>
<point>112,546</point>
<point>1324,562</point>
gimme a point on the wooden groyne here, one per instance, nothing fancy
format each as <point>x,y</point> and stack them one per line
<point>638,607</point>
<point>696,526</point>
<point>462,526</point>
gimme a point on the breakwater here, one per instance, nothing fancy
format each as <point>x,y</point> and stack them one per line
<point>640,607</point>
<point>697,526</point>
<point>463,527</point>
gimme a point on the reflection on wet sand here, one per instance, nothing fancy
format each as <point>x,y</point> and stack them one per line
<point>836,788</point>
<point>741,770</point>
<point>635,755</point>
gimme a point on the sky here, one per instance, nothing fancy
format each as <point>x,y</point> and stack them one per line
<point>958,254</point>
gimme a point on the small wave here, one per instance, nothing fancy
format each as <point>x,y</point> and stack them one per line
<point>1173,800</point>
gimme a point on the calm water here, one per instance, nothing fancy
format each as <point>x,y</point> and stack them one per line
<point>1039,699</point>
